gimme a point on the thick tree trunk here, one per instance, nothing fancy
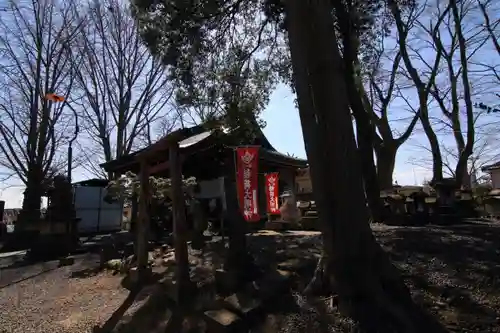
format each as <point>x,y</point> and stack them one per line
<point>437,158</point>
<point>386,161</point>
<point>238,259</point>
<point>369,287</point>
<point>363,130</point>
<point>142,228</point>
<point>369,170</point>
<point>469,145</point>
<point>30,211</point>
<point>184,285</point>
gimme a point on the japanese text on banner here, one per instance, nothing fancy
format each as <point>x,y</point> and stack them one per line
<point>272,191</point>
<point>247,182</point>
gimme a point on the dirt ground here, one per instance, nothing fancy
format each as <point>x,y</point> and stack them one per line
<point>453,271</point>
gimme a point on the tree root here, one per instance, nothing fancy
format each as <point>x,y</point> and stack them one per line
<point>377,299</point>
<point>320,283</point>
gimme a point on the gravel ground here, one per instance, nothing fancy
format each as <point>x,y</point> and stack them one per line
<point>452,271</point>
<point>44,298</point>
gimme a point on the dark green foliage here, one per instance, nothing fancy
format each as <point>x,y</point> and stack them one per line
<point>221,55</point>
<point>226,56</point>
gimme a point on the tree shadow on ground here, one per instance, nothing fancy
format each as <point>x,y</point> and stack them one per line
<point>151,303</point>
<point>454,271</point>
<point>156,310</point>
<point>25,270</point>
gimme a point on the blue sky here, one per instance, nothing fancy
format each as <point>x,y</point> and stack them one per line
<point>413,159</point>
<point>283,131</point>
<point>285,134</point>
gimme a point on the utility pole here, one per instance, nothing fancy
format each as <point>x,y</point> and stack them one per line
<point>57,98</point>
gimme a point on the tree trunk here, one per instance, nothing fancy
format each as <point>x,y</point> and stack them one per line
<point>142,236</point>
<point>30,212</point>
<point>465,153</point>
<point>184,285</point>
<point>369,287</point>
<point>437,158</point>
<point>369,170</point>
<point>134,212</point>
<point>363,122</point>
<point>237,259</point>
<point>386,160</point>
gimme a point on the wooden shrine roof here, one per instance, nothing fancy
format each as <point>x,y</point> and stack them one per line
<point>193,140</point>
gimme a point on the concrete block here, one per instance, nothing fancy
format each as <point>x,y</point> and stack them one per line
<point>67,261</point>
<point>222,321</point>
<point>243,303</point>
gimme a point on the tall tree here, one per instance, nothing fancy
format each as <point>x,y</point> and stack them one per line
<point>491,23</point>
<point>35,39</point>
<point>457,95</point>
<point>353,25</point>
<point>382,89</point>
<point>366,281</point>
<point>422,78</point>
<point>221,60</point>
<point>485,153</point>
<point>369,286</point>
<point>124,89</point>
<point>459,41</point>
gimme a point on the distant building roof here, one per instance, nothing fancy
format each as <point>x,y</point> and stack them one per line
<point>491,167</point>
<point>198,136</point>
<point>94,182</point>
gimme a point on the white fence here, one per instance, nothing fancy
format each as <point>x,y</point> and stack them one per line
<point>96,215</point>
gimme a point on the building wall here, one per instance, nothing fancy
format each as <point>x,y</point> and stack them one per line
<point>303,181</point>
<point>495,178</point>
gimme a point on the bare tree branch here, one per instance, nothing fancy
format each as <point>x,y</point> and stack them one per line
<point>491,26</point>
<point>124,89</point>
<point>34,41</point>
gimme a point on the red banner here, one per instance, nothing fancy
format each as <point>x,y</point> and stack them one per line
<point>272,192</point>
<point>247,163</point>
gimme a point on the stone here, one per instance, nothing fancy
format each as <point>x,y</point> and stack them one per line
<point>67,261</point>
<point>222,321</point>
<point>284,274</point>
<point>114,264</point>
<point>135,277</point>
<point>292,264</point>
<point>243,303</point>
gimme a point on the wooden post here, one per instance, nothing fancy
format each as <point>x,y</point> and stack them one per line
<point>293,179</point>
<point>143,220</point>
<point>134,213</point>
<point>179,213</point>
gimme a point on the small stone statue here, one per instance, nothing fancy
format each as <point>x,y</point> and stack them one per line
<point>289,211</point>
